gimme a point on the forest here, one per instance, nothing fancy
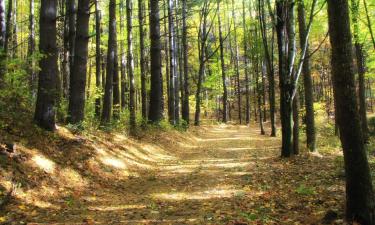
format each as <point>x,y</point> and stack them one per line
<point>187,112</point>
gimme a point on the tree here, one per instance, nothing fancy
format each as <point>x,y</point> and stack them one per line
<point>360,68</point>
<point>129,9</point>
<point>79,70</point>
<point>185,103</point>
<point>222,63</point>
<point>112,45</point>
<point>48,76</point>
<point>237,66</point>
<point>143,62</point>
<point>98,56</point>
<point>359,190</point>
<point>269,58</point>
<point>307,81</point>
<point>31,45</point>
<point>156,92</point>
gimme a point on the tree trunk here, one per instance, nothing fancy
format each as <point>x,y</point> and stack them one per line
<point>31,47</point>
<point>237,67</point>
<point>362,90</point>
<point>359,190</point>
<point>71,9</point>
<point>48,76</point>
<point>129,9</point>
<point>143,62</point>
<point>156,92</point>
<point>269,64</point>
<point>8,27</point>
<point>247,80</point>
<point>360,68</point>
<point>282,8</point>
<point>223,74</point>
<point>79,71</point>
<point>108,93</point>
<point>98,56</point>
<point>307,82</point>
<point>185,104</point>
<point>172,64</point>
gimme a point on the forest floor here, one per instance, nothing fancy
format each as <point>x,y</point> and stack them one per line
<point>217,174</point>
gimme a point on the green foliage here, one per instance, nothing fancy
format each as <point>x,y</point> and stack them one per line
<point>303,190</point>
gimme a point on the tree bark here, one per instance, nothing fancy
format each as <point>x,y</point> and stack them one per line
<point>98,56</point>
<point>285,83</point>
<point>359,190</point>
<point>237,67</point>
<point>156,92</point>
<point>143,62</point>
<point>185,104</point>
<point>129,9</point>
<point>48,76</point>
<point>307,82</point>
<point>108,94</point>
<point>222,63</point>
<point>79,70</point>
<point>31,46</point>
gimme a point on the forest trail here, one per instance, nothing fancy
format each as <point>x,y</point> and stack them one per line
<point>222,174</point>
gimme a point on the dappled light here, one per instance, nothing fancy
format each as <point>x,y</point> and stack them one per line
<point>44,163</point>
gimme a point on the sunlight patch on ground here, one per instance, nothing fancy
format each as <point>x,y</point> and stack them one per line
<point>44,163</point>
<point>115,208</point>
<point>71,177</point>
<point>114,162</point>
<point>220,192</point>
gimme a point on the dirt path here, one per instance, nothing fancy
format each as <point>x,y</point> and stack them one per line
<point>222,175</point>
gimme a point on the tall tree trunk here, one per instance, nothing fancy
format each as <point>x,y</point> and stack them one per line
<point>237,66</point>
<point>172,63</point>
<point>31,47</point>
<point>222,64</point>
<point>282,9</point>
<point>156,92</point>
<point>129,10</point>
<point>143,62</point>
<point>359,190</point>
<point>360,68</point>
<point>79,71</point>
<point>8,27</point>
<point>48,76</point>
<point>362,90</point>
<point>307,82</point>
<point>72,15</point>
<point>185,104</point>
<point>268,50</point>
<point>247,80</point>
<point>108,93</point>
<point>98,56</point>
